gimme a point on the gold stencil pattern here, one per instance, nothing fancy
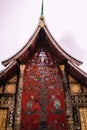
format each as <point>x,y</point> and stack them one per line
<point>83,118</point>
<point>3,118</point>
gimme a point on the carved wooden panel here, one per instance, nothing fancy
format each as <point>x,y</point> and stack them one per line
<point>8,102</point>
<point>78,94</point>
<point>3,118</point>
<point>78,103</point>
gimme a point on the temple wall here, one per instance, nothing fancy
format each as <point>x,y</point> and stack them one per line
<point>75,96</point>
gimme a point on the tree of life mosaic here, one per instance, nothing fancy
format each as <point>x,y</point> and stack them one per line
<point>43,103</point>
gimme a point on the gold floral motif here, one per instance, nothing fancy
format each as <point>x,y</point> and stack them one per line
<point>75,88</point>
<point>10,88</point>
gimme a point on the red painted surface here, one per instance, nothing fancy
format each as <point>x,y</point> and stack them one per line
<point>43,95</point>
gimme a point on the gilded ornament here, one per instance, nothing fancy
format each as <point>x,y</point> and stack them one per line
<point>10,88</point>
<point>42,24</point>
<point>75,88</point>
<point>62,67</point>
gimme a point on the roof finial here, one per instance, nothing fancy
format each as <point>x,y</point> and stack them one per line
<point>42,23</point>
<point>42,11</point>
<point>42,8</point>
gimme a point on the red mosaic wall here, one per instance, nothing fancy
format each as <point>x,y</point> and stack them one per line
<point>43,104</point>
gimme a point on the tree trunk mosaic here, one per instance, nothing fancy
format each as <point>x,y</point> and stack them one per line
<point>43,102</point>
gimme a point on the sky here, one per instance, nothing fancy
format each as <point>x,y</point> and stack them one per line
<point>66,20</point>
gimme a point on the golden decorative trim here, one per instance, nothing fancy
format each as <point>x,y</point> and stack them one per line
<point>75,88</point>
<point>62,67</point>
<point>22,67</point>
<point>10,88</point>
<point>3,118</point>
<point>19,97</point>
<point>83,118</point>
<point>42,23</point>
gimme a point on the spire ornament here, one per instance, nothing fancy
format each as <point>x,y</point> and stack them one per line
<point>42,23</point>
<point>42,8</point>
<point>42,11</point>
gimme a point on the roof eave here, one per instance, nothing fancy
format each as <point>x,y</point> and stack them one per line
<point>3,74</point>
<point>29,43</point>
<point>77,72</point>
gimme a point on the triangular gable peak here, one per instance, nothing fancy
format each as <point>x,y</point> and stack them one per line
<point>42,34</point>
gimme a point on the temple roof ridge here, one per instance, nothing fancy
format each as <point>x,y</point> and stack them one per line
<point>42,34</point>
<point>43,26</point>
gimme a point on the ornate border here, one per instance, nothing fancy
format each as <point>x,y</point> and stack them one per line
<point>19,96</point>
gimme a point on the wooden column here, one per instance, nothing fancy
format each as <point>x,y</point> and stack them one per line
<point>69,110</point>
<point>19,97</point>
